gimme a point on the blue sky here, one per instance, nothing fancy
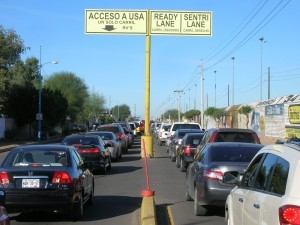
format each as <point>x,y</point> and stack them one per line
<point>114,65</point>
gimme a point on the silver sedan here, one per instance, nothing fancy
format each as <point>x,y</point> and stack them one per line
<point>111,138</point>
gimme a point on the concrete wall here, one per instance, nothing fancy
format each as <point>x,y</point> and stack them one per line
<point>269,118</point>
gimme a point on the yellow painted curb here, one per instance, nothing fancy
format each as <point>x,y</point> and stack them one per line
<point>148,212</point>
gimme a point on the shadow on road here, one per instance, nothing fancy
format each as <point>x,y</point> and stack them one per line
<point>104,207</point>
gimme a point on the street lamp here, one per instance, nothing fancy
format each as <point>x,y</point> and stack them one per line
<point>232,80</point>
<point>39,116</point>
<point>215,89</point>
<point>261,48</point>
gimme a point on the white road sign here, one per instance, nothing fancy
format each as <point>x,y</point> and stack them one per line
<point>98,21</point>
<point>181,23</point>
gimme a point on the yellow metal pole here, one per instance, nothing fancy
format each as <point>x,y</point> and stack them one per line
<point>148,139</point>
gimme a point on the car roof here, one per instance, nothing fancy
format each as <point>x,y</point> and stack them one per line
<point>192,130</point>
<point>241,130</point>
<point>234,144</point>
<point>43,146</point>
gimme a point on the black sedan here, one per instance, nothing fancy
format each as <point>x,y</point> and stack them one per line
<point>46,177</point>
<point>205,175</point>
<point>92,149</point>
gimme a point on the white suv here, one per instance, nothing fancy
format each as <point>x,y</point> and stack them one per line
<point>183,125</point>
<point>268,192</point>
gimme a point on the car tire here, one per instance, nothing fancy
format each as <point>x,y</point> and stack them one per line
<point>198,209</point>
<point>182,167</point>
<point>77,210</point>
<point>103,170</point>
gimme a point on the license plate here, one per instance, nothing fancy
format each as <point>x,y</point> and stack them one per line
<point>30,183</point>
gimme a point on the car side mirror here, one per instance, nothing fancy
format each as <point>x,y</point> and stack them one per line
<point>231,177</point>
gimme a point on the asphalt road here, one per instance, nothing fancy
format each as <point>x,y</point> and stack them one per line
<point>118,195</point>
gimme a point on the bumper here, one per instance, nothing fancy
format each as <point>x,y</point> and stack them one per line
<point>214,193</point>
<point>29,200</point>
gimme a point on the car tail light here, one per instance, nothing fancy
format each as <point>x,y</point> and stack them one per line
<point>93,150</point>
<point>4,178</point>
<point>60,177</point>
<point>187,150</point>
<point>121,136</point>
<point>213,175</point>
<point>289,214</point>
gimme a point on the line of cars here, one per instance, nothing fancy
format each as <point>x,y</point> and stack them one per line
<point>60,177</point>
<point>230,168</point>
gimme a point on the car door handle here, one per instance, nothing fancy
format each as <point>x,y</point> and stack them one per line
<point>256,205</point>
<point>241,199</point>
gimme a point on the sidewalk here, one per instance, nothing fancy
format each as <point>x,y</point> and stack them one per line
<point>8,145</point>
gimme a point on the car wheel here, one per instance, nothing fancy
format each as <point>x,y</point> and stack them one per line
<point>103,170</point>
<point>198,209</point>
<point>182,167</point>
<point>177,162</point>
<point>77,210</point>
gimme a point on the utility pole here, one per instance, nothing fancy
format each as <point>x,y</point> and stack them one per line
<point>215,89</point>
<point>202,96</point>
<point>178,92</point>
<point>269,83</point>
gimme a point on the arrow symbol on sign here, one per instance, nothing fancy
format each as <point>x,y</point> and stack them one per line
<point>109,27</point>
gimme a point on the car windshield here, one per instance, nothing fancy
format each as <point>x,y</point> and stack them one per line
<point>232,153</point>
<point>39,158</point>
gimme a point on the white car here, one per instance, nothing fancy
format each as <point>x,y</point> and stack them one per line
<point>268,192</point>
<point>163,133</point>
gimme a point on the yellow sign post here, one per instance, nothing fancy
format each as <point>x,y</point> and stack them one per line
<point>147,22</point>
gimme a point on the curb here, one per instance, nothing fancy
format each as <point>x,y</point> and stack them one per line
<point>148,212</point>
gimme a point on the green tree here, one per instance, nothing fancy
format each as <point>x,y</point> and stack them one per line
<point>54,109</point>
<point>25,74</point>
<point>172,114</point>
<point>94,107</point>
<point>25,112</point>
<point>72,88</point>
<point>121,112</point>
<point>216,113</point>
<point>192,114</point>
<point>11,48</point>
<point>246,110</point>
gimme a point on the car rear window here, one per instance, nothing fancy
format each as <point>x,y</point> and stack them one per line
<point>185,126</point>
<point>235,137</point>
<point>111,129</point>
<point>233,153</point>
<point>42,158</point>
<point>194,140</point>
